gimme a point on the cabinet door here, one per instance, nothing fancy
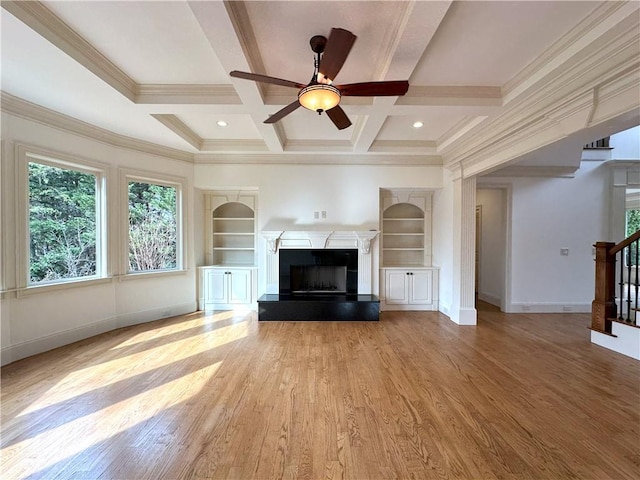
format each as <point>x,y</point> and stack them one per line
<point>396,287</point>
<point>421,287</point>
<point>239,282</point>
<point>215,286</point>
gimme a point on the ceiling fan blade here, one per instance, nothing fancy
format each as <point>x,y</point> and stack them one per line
<point>338,117</point>
<point>266,79</point>
<point>280,114</point>
<point>374,89</point>
<point>337,49</point>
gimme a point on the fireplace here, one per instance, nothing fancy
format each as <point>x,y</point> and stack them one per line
<point>318,279</point>
<point>318,275</point>
<point>318,271</point>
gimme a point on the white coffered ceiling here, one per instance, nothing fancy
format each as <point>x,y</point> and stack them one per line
<point>158,71</point>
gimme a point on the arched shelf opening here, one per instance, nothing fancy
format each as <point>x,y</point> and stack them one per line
<point>403,235</point>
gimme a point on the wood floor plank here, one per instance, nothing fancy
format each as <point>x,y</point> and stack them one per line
<point>412,396</point>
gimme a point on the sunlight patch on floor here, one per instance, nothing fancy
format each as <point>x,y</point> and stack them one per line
<point>65,441</point>
<point>122,368</point>
<point>170,329</point>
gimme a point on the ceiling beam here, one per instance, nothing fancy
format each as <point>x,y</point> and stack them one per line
<point>228,31</point>
<point>43,21</point>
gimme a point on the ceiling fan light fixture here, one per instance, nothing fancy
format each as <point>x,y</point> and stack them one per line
<point>319,97</point>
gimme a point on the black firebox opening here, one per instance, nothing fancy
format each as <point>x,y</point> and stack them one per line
<point>316,271</point>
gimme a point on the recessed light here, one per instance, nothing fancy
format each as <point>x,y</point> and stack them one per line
<point>221,123</point>
<point>418,125</point>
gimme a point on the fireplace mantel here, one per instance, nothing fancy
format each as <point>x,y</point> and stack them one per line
<point>360,239</point>
<point>320,239</point>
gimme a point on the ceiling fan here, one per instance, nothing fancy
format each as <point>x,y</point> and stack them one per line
<point>320,95</point>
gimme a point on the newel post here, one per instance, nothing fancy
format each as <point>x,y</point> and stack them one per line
<point>603,306</point>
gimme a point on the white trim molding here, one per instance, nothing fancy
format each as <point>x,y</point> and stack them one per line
<point>12,353</point>
<point>30,111</point>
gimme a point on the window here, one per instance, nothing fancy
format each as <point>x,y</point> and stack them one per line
<point>64,221</point>
<point>154,239</point>
<point>632,223</point>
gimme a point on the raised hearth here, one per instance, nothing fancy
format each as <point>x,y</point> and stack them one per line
<point>319,307</point>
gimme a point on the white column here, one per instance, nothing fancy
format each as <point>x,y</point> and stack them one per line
<point>463,309</point>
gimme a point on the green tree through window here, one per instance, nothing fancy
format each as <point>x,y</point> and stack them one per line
<point>633,225</point>
<point>633,221</point>
<point>62,223</point>
<point>152,227</point>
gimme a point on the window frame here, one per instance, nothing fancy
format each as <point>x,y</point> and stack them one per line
<point>180,184</point>
<point>26,154</point>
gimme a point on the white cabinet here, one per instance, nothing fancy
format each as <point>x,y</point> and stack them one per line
<point>409,289</point>
<point>224,288</point>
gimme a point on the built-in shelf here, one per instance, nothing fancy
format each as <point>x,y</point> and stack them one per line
<point>405,217</point>
<point>232,237</point>
<point>408,281</point>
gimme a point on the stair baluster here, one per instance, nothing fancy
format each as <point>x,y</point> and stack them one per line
<point>604,308</point>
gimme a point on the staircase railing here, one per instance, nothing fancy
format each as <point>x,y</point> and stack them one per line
<point>602,143</point>
<point>616,263</point>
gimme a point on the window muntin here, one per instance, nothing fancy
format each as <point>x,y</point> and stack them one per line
<point>154,228</point>
<point>64,227</point>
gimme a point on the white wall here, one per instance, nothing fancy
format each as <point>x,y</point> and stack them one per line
<point>492,235</point>
<point>626,145</point>
<point>289,194</point>
<point>549,214</point>
<point>35,322</point>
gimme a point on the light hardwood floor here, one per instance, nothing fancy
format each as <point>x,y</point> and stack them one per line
<point>412,396</point>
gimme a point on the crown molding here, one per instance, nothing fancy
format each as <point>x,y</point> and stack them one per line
<point>458,131</point>
<point>319,146</point>
<point>570,98</point>
<point>533,171</point>
<point>452,96</point>
<point>229,146</point>
<point>43,21</point>
<point>424,147</point>
<point>187,94</point>
<point>318,159</point>
<point>604,17</point>
<point>30,111</point>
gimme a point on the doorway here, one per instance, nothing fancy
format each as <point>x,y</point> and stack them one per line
<point>491,246</point>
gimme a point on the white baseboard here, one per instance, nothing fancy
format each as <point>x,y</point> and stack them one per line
<point>155,314</point>
<point>22,350</point>
<point>491,299</point>
<point>385,307</point>
<point>533,307</point>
